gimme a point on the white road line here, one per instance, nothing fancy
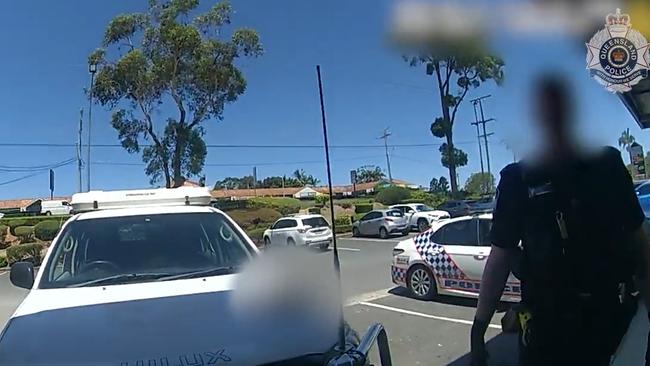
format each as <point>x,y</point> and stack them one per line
<point>350,249</point>
<point>422,315</point>
<point>3,273</point>
<point>391,241</point>
<point>368,296</point>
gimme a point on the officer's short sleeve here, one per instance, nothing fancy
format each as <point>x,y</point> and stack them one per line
<point>628,209</point>
<point>506,229</point>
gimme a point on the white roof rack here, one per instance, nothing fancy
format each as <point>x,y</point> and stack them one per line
<point>105,200</point>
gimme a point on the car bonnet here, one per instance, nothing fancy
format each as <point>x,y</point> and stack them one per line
<point>179,329</point>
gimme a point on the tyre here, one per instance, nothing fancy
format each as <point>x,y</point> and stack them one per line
<point>291,242</point>
<point>383,233</point>
<point>423,225</point>
<point>267,241</point>
<point>421,283</point>
<point>355,232</point>
<point>48,213</point>
<point>406,231</point>
<point>324,247</point>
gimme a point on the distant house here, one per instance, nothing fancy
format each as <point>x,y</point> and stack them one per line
<point>28,205</point>
<point>306,192</point>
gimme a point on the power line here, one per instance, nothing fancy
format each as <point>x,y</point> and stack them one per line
<point>233,146</point>
<point>70,161</point>
<point>247,164</point>
<point>34,168</point>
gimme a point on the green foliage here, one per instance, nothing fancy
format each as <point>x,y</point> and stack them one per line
<point>247,182</point>
<point>440,186</point>
<point>369,173</point>
<point>284,205</point>
<point>322,199</point>
<point>252,217</point>
<point>343,220</point>
<point>14,223</point>
<point>46,230</point>
<point>361,208</point>
<point>393,195</point>
<point>305,179</point>
<point>167,57</point>
<point>440,127</point>
<point>256,234</point>
<point>480,183</point>
<point>626,140</point>
<point>30,252</point>
<point>24,233</point>
<point>3,261</point>
<point>31,220</point>
<point>457,157</point>
<point>343,229</point>
<point>314,210</point>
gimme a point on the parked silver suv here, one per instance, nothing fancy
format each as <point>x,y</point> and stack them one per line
<point>382,223</point>
<point>300,230</point>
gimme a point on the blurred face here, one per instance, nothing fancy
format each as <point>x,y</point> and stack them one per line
<point>552,115</point>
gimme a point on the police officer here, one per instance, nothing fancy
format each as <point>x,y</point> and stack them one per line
<point>572,223</point>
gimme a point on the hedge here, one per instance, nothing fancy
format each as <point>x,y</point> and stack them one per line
<point>393,195</point>
<point>3,262</point>
<point>30,252</point>
<point>3,236</point>
<point>13,224</point>
<point>343,220</point>
<point>46,230</point>
<point>314,210</point>
<point>343,229</point>
<point>24,233</point>
<point>252,217</point>
<point>256,234</point>
<point>362,208</point>
<point>32,220</point>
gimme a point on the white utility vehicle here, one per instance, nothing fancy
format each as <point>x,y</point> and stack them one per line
<point>421,216</point>
<point>300,230</point>
<point>55,207</point>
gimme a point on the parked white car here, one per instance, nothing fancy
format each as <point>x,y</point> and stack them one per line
<point>55,207</point>
<point>421,216</point>
<point>448,259</point>
<point>147,278</point>
<point>300,230</point>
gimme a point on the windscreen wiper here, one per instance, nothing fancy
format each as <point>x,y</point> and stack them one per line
<point>120,278</point>
<point>201,273</point>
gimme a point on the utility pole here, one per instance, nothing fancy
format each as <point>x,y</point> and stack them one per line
<point>92,69</point>
<point>385,137</point>
<point>478,137</point>
<point>479,102</point>
<point>79,163</point>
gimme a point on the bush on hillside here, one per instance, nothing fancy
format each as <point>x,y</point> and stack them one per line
<point>24,233</point>
<point>46,230</point>
<point>256,235</point>
<point>252,217</point>
<point>343,220</point>
<point>30,252</point>
<point>343,229</point>
<point>30,221</point>
<point>362,208</point>
<point>4,230</point>
<point>393,195</point>
<point>14,223</point>
<point>314,210</point>
<point>3,261</point>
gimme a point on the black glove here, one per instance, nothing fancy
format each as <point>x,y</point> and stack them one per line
<point>478,353</point>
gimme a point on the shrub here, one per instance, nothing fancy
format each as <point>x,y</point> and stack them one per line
<point>343,229</point>
<point>46,230</point>
<point>256,235</point>
<point>322,199</point>
<point>346,205</point>
<point>313,210</point>
<point>3,261</point>
<point>24,233</point>
<point>362,208</point>
<point>393,195</point>
<point>4,229</point>
<point>252,217</point>
<point>14,223</point>
<point>343,220</point>
<point>30,252</point>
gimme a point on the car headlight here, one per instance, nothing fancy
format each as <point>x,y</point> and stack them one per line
<point>397,251</point>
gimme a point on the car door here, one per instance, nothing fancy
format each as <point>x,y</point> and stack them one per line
<point>281,231</point>
<point>368,223</point>
<point>408,212</point>
<point>460,240</point>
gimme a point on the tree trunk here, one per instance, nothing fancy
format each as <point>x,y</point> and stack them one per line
<point>181,139</point>
<point>450,151</point>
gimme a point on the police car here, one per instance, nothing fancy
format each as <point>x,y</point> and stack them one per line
<point>146,277</point>
<point>447,259</point>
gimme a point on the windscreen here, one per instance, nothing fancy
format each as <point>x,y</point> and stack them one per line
<point>423,208</point>
<point>394,213</point>
<point>144,247</point>
<point>315,222</point>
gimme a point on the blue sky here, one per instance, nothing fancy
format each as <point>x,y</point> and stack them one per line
<point>367,85</point>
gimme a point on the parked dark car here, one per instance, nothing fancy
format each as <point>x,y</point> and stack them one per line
<point>456,208</point>
<point>483,205</point>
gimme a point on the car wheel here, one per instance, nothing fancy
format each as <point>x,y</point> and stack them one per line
<point>383,233</point>
<point>421,283</point>
<point>324,247</point>
<point>267,241</point>
<point>355,232</point>
<point>423,225</point>
<point>291,242</point>
<point>406,231</point>
<point>48,213</point>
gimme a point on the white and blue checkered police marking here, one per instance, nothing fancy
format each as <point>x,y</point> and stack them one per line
<point>398,274</point>
<point>436,257</point>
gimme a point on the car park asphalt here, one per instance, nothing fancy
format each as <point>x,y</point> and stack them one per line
<point>420,332</point>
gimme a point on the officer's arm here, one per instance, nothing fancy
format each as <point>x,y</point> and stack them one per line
<point>493,282</point>
<point>641,246</point>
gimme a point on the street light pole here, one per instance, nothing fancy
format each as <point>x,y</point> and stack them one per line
<point>92,69</point>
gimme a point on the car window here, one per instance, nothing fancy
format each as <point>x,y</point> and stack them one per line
<point>286,223</point>
<point>457,233</point>
<point>372,215</point>
<point>423,208</point>
<point>316,222</point>
<point>394,213</point>
<point>144,244</point>
<point>644,189</point>
<point>484,226</point>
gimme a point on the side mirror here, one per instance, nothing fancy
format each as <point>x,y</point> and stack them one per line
<point>22,275</point>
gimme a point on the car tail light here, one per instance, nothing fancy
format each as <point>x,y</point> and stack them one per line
<point>397,251</point>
